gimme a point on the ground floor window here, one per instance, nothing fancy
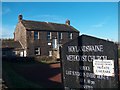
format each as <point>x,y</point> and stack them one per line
<point>37,51</point>
<point>21,54</point>
<point>25,53</point>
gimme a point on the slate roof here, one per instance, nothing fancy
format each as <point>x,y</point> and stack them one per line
<point>36,25</point>
<point>11,44</point>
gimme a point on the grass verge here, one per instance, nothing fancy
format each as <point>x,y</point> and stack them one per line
<point>14,80</point>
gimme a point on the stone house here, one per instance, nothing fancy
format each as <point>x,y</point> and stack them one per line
<point>43,38</point>
<point>11,49</point>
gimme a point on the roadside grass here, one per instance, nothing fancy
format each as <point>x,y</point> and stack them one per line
<point>13,79</point>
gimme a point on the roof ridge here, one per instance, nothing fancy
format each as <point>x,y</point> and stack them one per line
<point>45,22</point>
<point>39,25</point>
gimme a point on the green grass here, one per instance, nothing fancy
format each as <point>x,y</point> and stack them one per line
<point>46,60</point>
<point>15,80</point>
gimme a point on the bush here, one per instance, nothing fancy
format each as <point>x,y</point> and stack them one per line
<point>45,59</point>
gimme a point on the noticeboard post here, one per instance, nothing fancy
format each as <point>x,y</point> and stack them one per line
<point>89,63</point>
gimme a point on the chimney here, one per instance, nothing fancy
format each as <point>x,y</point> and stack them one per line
<point>20,17</point>
<point>67,22</point>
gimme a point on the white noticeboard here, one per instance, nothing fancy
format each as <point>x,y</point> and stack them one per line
<point>49,43</point>
<point>103,67</point>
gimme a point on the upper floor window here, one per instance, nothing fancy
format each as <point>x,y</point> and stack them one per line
<point>49,35</point>
<point>36,36</point>
<point>59,35</point>
<point>70,35</point>
<point>37,51</point>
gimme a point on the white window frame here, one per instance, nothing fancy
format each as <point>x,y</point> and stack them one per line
<point>38,35</point>
<point>38,50</point>
<point>25,53</point>
<point>21,54</point>
<point>70,35</point>
<point>61,35</point>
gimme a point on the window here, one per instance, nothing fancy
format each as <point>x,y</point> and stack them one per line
<point>36,35</point>
<point>59,35</point>
<point>49,36</point>
<point>14,53</point>
<point>70,35</point>
<point>37,51</point>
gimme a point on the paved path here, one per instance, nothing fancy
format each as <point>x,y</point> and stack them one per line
<point>57,77</point>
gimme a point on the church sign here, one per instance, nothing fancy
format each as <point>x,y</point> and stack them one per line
<point>88,62</point>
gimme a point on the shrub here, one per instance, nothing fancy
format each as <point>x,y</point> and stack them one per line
<point>45,59</point>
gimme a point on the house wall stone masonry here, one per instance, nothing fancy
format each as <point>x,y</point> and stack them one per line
<point>20,35</point>
<point>25,31</point>
<point>43,42</point>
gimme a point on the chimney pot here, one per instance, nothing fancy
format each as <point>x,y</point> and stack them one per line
<point>67,22</point>
<point>20,17</point>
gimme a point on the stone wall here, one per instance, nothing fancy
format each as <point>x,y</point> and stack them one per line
<point>20,35</point>
<point>26,38</point>
<point>42,42</point>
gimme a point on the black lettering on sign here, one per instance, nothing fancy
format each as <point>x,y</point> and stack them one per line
<point>89,62</point>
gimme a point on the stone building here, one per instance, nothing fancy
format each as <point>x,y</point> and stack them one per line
<point>43,38</point>
<point>11,48</point>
